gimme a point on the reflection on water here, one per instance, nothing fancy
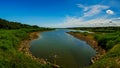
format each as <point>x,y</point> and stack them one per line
<point>63,49</point>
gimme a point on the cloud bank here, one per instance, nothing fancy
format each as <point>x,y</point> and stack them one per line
<point>91,11</point>
<point>98,22</point>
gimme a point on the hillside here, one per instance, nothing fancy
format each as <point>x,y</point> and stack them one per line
<point>11,34</point>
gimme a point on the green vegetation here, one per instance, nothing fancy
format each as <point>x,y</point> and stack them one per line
<point>106,37</point>
<point>99,29</point>
<point>109,39</point>
<point>110,60</point>
<point>11,34</point>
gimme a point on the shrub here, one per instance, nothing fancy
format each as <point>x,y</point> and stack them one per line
<point>110,44</point>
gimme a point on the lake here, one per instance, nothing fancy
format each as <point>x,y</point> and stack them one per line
<point>63,49</point>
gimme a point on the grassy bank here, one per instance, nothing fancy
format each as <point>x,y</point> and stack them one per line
<point>109,40</point>
<point>89,38</point>
<point>10,57</point>
<point>110,60</point>
<point>11,35</point>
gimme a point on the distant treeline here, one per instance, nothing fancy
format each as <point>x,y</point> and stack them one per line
<point>4,24</point>
<point>99,29</point>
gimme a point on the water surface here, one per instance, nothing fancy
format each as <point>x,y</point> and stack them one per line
<point>63,49</point>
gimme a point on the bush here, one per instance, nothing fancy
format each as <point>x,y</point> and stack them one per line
<point>85,33</point>
<point>107,41</point>
<point>110,44</point>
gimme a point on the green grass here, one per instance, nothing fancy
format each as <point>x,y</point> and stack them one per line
<point>110,41</point>
<point>110,60</point>
<point>10,57</point>
<point>107,40</point>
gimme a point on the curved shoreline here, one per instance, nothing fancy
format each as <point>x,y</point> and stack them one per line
<point>93,43</point>
<point>25,48</point>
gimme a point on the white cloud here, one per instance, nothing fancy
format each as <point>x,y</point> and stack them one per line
<point>70,22</point>
<point>80,22</point>
<point>82,6</point>
<point>92,10</point>
<point>109,12</point>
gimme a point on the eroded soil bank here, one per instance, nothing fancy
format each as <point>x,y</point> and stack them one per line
<point>99,51</point>
<point>25,48</point>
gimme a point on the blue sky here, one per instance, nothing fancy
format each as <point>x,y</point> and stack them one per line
<point>61,13</point>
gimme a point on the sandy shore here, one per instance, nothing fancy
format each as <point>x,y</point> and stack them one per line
<point>25,48</point>
<point>93,43</point>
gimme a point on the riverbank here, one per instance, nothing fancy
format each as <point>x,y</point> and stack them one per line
<point>10,57</point>
<point>25,48</point>
<point>91,41</point>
